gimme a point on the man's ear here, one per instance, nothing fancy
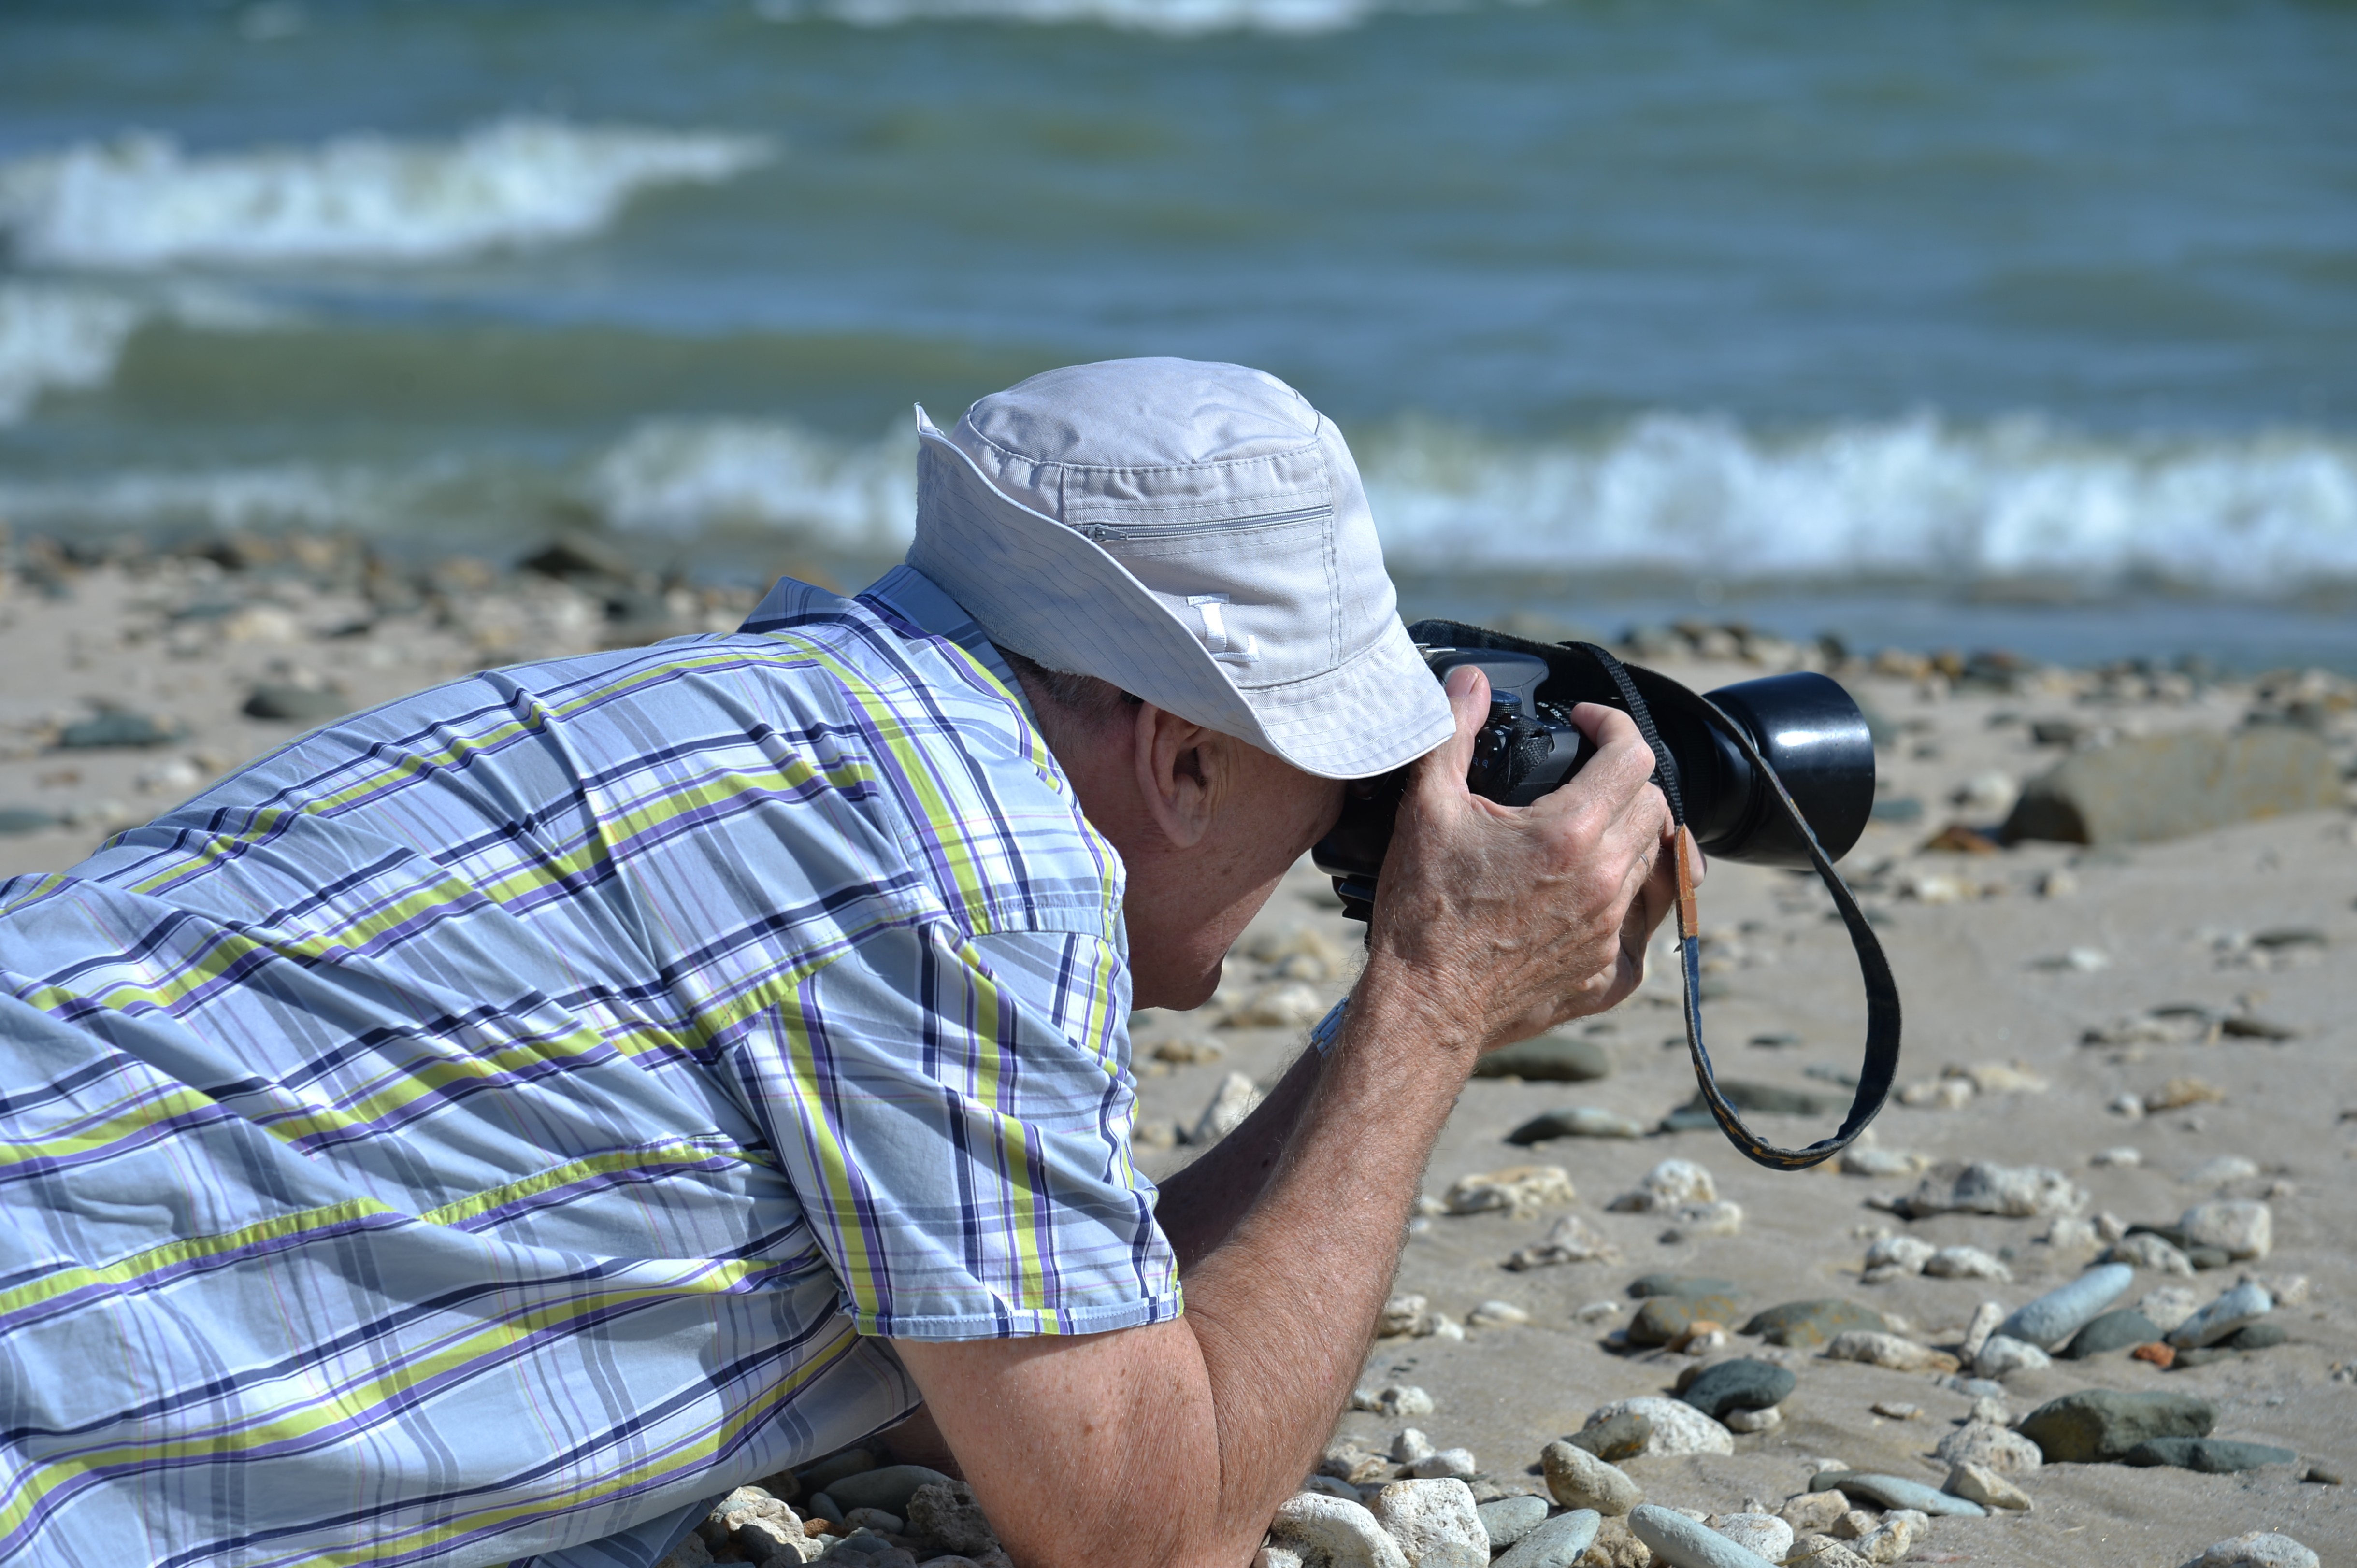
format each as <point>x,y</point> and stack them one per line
<point>1177,762</point>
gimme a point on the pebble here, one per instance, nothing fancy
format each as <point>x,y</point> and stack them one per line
<point>888,1489</point>
<point>1989,1447</point>
<point>2147,1250</point>
<point>2243,1305</point>
<point>2168,1307</point>
<point>1394,1399</point>
<point>1890,1351</point>
<point>1518,1191</point>
<point>2004,1356</point>
<point>1751,1420</point>
<point>1696,1221</point>
<point>1433,1522</point>
<point>1814,1511</point>
<point>1681,1542</point>
<point>1570,1240</point>
<point>2125,1156</point>
<point>2054,1318</point>
<point>120,728</point>
<point>1893,1538</point>
<point>1979,1484</point>
<point>1277,1557</point>
<point>1978,1186</point>
<point>1896,1410</point>
<point>1986,1318</point>
<point>2220,1169</point>
<point>2098,1425</point>
<point>286,703</point>
<point>1648,1285</point>
<point>1331,1530</point>
<point>1450,1464</point>
<point>1665,1318</point>
<point>2242,1229</point>
<point>2160,1355</point>
<point>1497,1315</point>
<point>1801,1323</point>
<point>1740,1385</point>
<point>1408,1445</point>
<point>1894,1492</point>
<point>950,1520</point>
<point>1667,1186</point>
<point>1762,1533</point>
<point>1965,1264</point>
<point>1579,1479</point>
<point>1904,1254</point>
<point>1677,1427</point>
<point>2210,1456</point>
<point>1236,1098</point>
<point>1576,1121</point>
<point>1558,1543</point>
<point>1822,1552</point>
<point>1553,1058</point>
<point>1508,1519</point>
<point>2121,1330</point>
<point>1868,1161</point>
<point>2259,1549</point>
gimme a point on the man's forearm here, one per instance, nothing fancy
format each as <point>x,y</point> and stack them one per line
<point>1201,1205</point>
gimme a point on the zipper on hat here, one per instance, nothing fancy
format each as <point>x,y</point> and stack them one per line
<point>1100,532</point>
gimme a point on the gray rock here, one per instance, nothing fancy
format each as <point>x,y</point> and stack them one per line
<point>818,1477</point>
<point>2239,1228</point>
<point>2260,1335</point>
<point>1333,1531</point>
<point>1987,1317</point>
<point>2054,1318</point>
<point>1508,1519</point>
<point>2245,1304</point>
<point>2003,1355</point>
<point>1621,1436</point>
<point>1977,1186</point>
<point>1394,1399</point>
<point>1762,1533</point>
<point>2096,1427</point>
<point>1553,1058</point>
<point>1894,1492</point>
<point>1769,1099</point>
<point>1448,1464</point>
<point>1558,1543</point>
<point>119,727</point>
<point>1236,1098</point>
<point>2259,1549</point>
<point>1576,1121</point>
<point>1744,1384</point>
<point>1749,1421</point>
<point>1681,1542</point>
<point>2168,1307</point>
<point>1965,1264</point>
<point>2168,786</point>
<point>1571,1240</point>
<point>24,820</point>
<point>1989,1447</point>
<point>2122,1330</point>
<point>286,704</point>
<point>1664,1317</point>
<point>2210,1456</point>
<point>949,1518</point>
<point>1893,1352</point>
<point>888,1489</point>
<point>1648,1285</point>
<point>1579,1479</point>
<point>2147,1250</point>
<point>1434,1523</point>
<point>1677,1427</point>
<point>1801,1323</point>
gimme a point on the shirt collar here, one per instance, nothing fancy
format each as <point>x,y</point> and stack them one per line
<point>927,606</point>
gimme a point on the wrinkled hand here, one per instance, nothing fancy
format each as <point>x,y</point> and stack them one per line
<point>1506,921</point>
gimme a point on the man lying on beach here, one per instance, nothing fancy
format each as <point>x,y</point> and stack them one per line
<point>497,1124</point>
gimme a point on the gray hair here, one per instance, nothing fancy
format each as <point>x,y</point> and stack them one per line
<point>1083,698</point>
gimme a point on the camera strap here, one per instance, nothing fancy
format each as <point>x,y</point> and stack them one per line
<point>1881,1063</point>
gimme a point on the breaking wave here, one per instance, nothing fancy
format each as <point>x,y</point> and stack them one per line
<point>1177,18</point>
<point>1916,499</point>
<point>64,337</point>
<point>139,202</point>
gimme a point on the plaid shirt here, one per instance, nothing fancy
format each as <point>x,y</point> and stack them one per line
<point>493,1125</point>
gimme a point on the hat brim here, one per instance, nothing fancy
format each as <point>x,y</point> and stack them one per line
<point>1050,594</point>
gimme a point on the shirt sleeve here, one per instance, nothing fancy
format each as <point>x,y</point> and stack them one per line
<point>955,1112</point>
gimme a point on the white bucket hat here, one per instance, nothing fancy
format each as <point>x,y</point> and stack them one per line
<point>1197,535</point>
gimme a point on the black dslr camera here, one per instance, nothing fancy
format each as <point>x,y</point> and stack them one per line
<point>1777,771</point>
<point>1804,729</point>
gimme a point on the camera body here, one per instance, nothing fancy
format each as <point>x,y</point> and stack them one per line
<point>1804,727</point>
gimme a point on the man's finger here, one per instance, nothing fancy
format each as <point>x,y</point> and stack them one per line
<point>1449,763</point>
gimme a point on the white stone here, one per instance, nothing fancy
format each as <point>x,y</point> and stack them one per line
<point>2244,1228</point>
<point>2003,1355</point>
<point>1870,1162</point>
<point>1496,1315</point>
<point>1693,1221</point>
<point>1408,1445</point>
<point>2168,1307</point>
<point>1277,1557</point>
<point>1678,1427</point>
<point>1236,1098</point>
<point>2145,1250</point>
<point>1749,1421</point>
<point>1394,1399</point>
<point>1680,1540</point>
<point>1518,1191</point>
<point>1980,1483</point>
<point>2125,1156</point>
<point>1890,1351</point>
<point>1290,1005</point>
<point>2259,1549</point>
<point>1989,1447</point>
<point>1893,1538</point>
<point>1570,1240</point>
<point>1762,1532</point>
<point>1907,1253</point>
<point>1598,1312</point>
<point>2220,1169</point>
<point>1331,1531</point>
<point>1668,1185</point>
<point>2238,1308</point>
<point>1448,1464</point>
<point>1985,1319</point>
<point>1404,1315</point>
<point>1978,1186</point>
<point>1965,1264</point>
<point>1434,1523</point>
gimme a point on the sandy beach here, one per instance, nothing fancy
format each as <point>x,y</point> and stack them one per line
<point>2008,962</point>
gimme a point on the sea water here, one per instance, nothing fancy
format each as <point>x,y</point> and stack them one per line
<point>1925,322</point>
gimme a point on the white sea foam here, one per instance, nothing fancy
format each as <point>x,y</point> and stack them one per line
<point>1916,497</point>
<point>1180,19</point>
<point>140,202</point>
<point>57,339</point>
<point>678,476</point>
